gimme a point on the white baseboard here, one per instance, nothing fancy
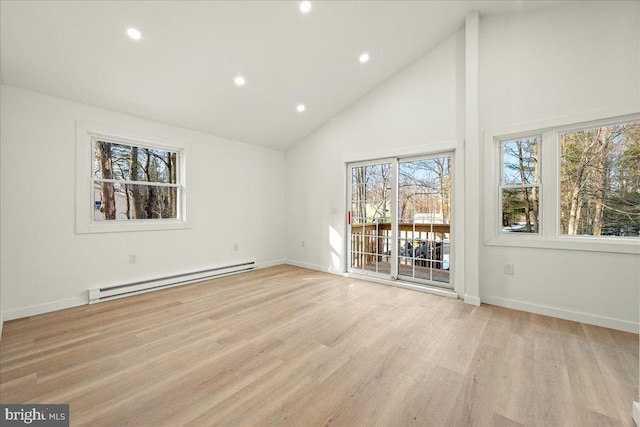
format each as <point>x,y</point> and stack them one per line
<point>1,323</point>
<point>468,299</point>
<point>576,316</point>
<point>449,293</point>
<point>636,413</point>
<point>33,310</point>
<point>427,289</point>
<point>591,319</point>
<point>314,267</point>
<point>272,263</point>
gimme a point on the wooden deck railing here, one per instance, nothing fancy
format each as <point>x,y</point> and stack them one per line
<point>372,241</point>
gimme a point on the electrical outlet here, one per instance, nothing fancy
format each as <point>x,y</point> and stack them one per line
<point>133,258</point>
<point>236,246</point>
<point>508,269</point>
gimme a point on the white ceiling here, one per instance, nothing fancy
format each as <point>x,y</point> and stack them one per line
<point>181,72</point>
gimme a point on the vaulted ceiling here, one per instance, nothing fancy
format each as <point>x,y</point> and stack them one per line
<point>182,70</point>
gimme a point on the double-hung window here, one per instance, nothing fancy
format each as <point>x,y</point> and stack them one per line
<point>133,182</point>
<point>128,182</point>
<point>591,175</point>
<point>520,185</point>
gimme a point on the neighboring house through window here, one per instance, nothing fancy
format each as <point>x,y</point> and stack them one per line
<point>520,185</point>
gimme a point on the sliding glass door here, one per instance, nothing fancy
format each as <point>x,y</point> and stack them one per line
<point>400,219</point>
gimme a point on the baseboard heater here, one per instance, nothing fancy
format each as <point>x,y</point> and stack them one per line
<point>119,291</point>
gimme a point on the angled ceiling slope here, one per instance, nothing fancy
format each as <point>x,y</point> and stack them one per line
<point>182,70</point>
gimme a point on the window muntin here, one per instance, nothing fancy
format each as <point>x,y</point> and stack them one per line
<point>600,180</point>
<point>551,233</point>
<point>520,185</point>
<point>133,182</point>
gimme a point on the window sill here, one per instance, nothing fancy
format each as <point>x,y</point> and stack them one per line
<point>85,203</point>
<point>129,226</point>
<point>590,244</point>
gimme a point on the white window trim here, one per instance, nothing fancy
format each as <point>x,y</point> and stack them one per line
<point>450,147</point>
<point>85,223</point>
<point>500,143</point>
<point>549,236</point>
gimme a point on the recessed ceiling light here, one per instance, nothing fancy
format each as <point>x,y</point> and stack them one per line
<point>364,57</point>
<point>305,6</point>
<point>134,34</point>
<point>301,108</point>
<point>239,81</point>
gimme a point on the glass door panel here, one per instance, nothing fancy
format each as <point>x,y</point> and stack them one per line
<point>424,218</point>
<point>371,205</point>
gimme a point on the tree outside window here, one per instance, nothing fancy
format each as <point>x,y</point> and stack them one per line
<point>520,185</point>
<point>600,181</point>
<point>134,183</point>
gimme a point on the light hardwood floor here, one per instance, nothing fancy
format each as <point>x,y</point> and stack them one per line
<point>289,346</point>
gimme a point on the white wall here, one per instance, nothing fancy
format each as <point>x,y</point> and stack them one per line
<point>415,112</point>
<point>539,65</point>
<point>543,64</point>
<point>236,190</point>
<point>548,64</point>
